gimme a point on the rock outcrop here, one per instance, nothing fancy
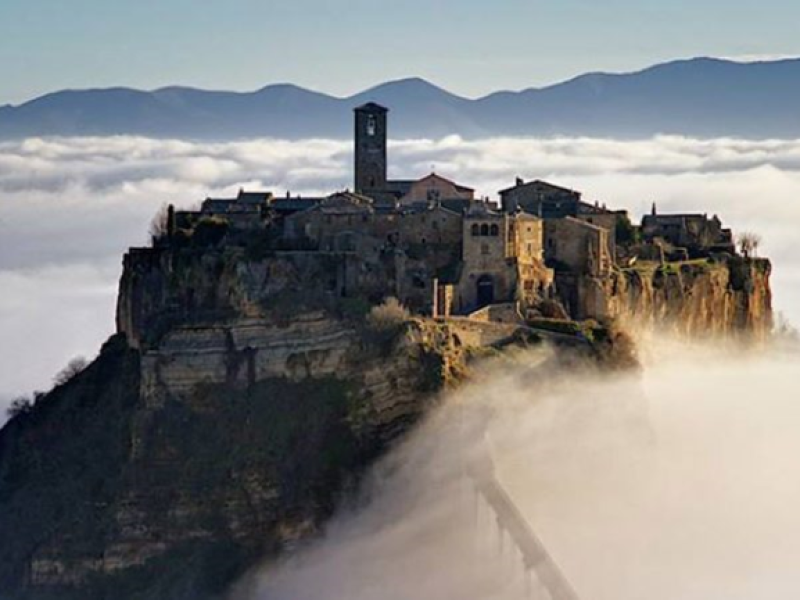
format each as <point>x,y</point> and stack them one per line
<point>223,422</point>
<point>729,297</point>
<point>165,474</point>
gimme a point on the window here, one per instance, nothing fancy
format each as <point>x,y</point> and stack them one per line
<point>476,230</point>
<point>495,230</point>
<point>484,248</point>
<point>484,230</point>
<point>372,125</point>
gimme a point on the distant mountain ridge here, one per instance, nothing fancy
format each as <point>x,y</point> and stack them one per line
<point>700,97</point>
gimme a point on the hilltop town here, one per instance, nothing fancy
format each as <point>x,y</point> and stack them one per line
<point>542,252</point>
<point>270,348</point>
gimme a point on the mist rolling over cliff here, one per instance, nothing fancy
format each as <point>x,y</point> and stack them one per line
<point>679,483</point>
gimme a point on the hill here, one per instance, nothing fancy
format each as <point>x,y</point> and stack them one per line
<point>700,97</point>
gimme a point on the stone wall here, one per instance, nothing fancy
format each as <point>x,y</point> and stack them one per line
<point>434,187</point>
<point>571,244</point>
<point>694,299</point>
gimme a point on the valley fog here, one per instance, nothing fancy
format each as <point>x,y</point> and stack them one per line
<point>70,207</point>
<point>681,482</point>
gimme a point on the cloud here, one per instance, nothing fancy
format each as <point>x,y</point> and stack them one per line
<point>70,207</point>
<point>751,58</point>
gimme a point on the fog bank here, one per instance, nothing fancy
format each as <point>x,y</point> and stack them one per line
<point>682,483</point>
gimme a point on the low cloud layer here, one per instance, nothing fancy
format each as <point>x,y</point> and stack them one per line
<point>681,483</point>
<point>70,207</point>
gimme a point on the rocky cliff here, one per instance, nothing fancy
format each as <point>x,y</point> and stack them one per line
<point>165,474</point>
<point>238,402</point>
<point>723,297</point>
<point>241,399</point>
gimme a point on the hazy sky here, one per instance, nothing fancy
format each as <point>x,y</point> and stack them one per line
<point>341,46</point>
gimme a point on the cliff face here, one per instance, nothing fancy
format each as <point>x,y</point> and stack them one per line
<point>219,427</point>
<point>242,397</point>
<point>165,474</point>
<point>699,298</point>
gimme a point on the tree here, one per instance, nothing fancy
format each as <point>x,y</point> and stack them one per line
<point>388,316</point>
<point>159,225</point>
<point>73,368</point>
<point>19,406</point>
<point>748,243</point>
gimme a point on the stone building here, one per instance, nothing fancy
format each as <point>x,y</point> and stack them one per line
<point>541,199</point>
<point>435,188</point>
<point>577,246</point>
<point>698,234</point>
<point>440,250</point>
<point>334,224</point>
<point>551,201</point>
<point>502,259</point>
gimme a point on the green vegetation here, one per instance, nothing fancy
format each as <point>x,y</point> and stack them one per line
<point>626,232</point>
<point>562,326</point>
<point>69,445</point>
<point>209,232</point>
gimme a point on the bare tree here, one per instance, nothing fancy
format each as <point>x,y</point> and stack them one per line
<point>159,225</point>
<point>19,406</point>
<point>388,316</point>
<point>748,243</point>
<point>74,367</point>
<point>784,330</point>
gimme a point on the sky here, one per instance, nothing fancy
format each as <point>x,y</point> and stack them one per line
<point>471,47</point>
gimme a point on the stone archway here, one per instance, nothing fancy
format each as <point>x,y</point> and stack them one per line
<point>485,289</point>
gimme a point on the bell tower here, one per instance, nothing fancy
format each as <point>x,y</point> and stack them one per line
<point>370,153</point>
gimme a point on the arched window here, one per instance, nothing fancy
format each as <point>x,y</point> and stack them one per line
<point>476,229</point>
<point>372,125</point>
<point>495,230</point>
<point>484,229</point>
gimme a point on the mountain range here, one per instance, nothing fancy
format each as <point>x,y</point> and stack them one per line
<point>701,97</point>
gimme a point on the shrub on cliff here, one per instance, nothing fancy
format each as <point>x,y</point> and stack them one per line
<point>19,406</point>
<point>73,368</point>
<point>159,225</point>
<point>626,232</point>
<point>209,231</point>
<point>388,316</point>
